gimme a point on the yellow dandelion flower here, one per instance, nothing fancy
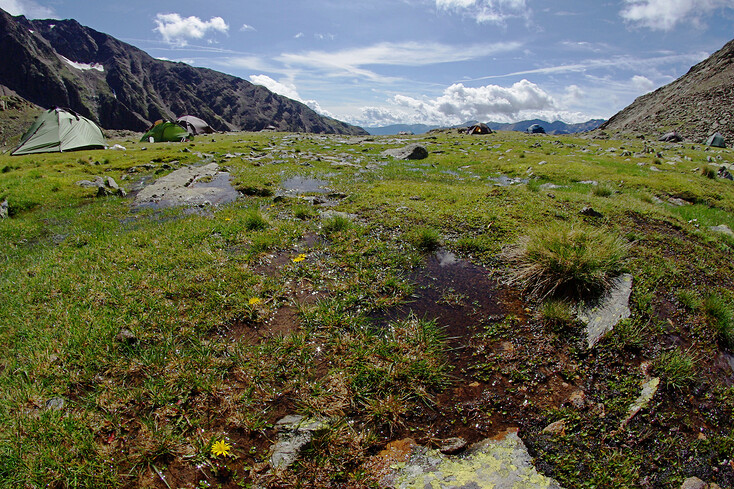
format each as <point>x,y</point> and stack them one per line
<point>227,218</point>
<point>299,258</point>
<point>254,301</point>
<point>221,447</point>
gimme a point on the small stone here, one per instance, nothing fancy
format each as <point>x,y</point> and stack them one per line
<point>577,399</point>
<point>590,212</point>
<point>451,446</point>
<point>126,336</point>
<point>693,483</point>
<point>4,209</point>
<point>556,428</point>
<point>55,404</point>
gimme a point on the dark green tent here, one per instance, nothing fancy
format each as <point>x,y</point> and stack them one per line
<point>716,140</point>
<point>166,131</point>
<point>58,130</point>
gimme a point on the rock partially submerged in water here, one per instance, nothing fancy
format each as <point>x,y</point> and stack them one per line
<point>191,185</point>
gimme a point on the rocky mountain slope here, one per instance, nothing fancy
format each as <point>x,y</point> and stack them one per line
<point>62,63</point>
<point>697,104</point>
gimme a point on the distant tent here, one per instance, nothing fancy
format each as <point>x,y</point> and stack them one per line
<point>536,129</point>
<point>716,140</point>
<point>671,137</point>
<point>165,131</point>
<point>58,130</point>
<point>479,128</point>
<point>194,125</point>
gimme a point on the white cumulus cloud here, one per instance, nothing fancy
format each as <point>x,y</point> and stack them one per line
<point>487,11</point>
<point>288,89</point>
<point>177,30</point>
<point>642,83</point>
<point>665,14</point>
<point>458,104</point>
<point>247,27</point>
<point>29,8</point>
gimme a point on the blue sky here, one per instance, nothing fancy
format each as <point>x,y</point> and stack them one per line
<point>379,62</point>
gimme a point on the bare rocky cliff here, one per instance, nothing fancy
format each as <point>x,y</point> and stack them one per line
<point>62,63</point>
<point>697,104</point>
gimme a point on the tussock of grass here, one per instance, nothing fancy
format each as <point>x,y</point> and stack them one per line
<point>602,190</point>
<point>336,224</point>
<point>676,368</point>
<point>721,318</point>
<point>562,258</point>
<point>255,221</point>
<point>425,238</point>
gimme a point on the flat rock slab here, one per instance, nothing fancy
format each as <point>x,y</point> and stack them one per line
<point>410,152</point>
<point>601,317</point>
<point>722,228</point>
<point>188,186</point>
<point>494,463</point>
<point>294,432</point>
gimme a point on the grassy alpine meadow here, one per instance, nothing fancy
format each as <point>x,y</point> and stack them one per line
<point>388,299</point>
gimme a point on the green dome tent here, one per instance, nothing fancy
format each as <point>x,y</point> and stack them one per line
<point>58,130</point>
<point>165,131</point>
<point>716,140</point>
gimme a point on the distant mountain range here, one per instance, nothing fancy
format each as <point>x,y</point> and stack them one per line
<point>61,63</point>
<point>696,105</point>
<point>556,127</point>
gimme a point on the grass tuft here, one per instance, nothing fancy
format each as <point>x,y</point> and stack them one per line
<point>557,314</point>
<point>336,224</point>
<point>721,318</point>
<point>602,191</point>
<point>425,238</point>
<point>709,172</point>
<point>562,258</point>
<point>676,368</point>
<point>255,221</point>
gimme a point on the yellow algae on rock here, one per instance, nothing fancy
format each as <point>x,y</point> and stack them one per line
<point>490,464</point>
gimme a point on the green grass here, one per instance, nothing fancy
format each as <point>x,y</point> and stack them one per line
<point>325,338</point>
<point>677,368</point>
<point>560,258</point>
<point>721,316</point>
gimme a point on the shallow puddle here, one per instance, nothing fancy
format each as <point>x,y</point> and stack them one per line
<point>505,181</point>
<point>304,185</point>
<point>457,294</point>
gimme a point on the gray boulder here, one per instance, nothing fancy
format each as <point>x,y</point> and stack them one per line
<point>410,152</point>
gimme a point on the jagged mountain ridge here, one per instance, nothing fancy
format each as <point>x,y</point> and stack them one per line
<point>122,87</point>
<point>697,104</point>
